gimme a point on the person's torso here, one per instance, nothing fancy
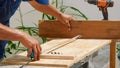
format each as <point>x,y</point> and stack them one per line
<point>7,9</point>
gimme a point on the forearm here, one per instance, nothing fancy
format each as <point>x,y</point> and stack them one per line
<point>7,33</point>
<point>48,9</point>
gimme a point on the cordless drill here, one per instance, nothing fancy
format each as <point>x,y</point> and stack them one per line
<point>102,5</point>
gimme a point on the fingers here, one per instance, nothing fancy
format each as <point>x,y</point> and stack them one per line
<point>68,25</point>
<point>37,51</point>
<point>33,46</point>
<point>66,19</point>
<point>29,52</point>
<point>68,22</point>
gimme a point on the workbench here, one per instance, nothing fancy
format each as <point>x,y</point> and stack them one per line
<point>71,55</point>
<point>94,36</point>
<point>90,29</point>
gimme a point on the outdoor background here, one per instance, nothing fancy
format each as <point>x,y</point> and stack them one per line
<point>91,11</point>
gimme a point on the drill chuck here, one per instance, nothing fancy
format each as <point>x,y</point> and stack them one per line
<point>92,2</point>
<point>102,5</point>
<point>111,4</point>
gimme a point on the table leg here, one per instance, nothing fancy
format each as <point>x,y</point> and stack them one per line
<point>86,65</point>
<point>113,54</point>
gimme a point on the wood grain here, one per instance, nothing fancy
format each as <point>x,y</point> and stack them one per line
<point>53,56</point>
<point>87,29</point>
<point>113,54</point>
<point>59,45</point>
<point>78,49</point>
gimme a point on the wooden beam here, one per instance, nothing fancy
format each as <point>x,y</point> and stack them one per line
<point>113,54</point>
<point>51,56</point>
<point>87,29</point>
<point>60,57</point>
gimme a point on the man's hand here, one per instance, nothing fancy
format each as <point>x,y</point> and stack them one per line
<point>32,45</point>
<point>49,9</point>
<point>7,33</point>
<point>65,19</point>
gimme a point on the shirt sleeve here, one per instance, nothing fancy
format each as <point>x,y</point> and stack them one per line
<point>45,2</point>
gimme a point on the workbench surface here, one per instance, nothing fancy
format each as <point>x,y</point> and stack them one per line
<point>78,49</point>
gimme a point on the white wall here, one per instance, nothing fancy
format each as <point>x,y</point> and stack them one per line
<point>29,19</point>
<point>91,11</point>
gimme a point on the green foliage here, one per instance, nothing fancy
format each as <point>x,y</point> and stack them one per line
<point>63,8</point>
<point>118,50</point>
<point>14,47</point>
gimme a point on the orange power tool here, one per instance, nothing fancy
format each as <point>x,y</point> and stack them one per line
<point>102,5</point>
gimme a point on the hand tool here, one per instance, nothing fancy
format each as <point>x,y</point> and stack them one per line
<point>102,5</point>
<point>52,49</point>
<point>29,60</point>
<point>32,55</point>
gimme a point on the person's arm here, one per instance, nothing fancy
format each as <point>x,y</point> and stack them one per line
<point>7,33</point>
<point>49,9</point>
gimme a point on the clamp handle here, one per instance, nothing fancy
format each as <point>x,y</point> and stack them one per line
<point>32,54</point>
<point>104,12</point>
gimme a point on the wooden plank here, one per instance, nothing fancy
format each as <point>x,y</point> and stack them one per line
<point>60,57</point>
<point>21,60</point>
<point>62,44</point>
<point>80,46</point>
<point>93,47</point>
<point>113,54</point>
<point>53,56</point>
<point>78,49</point>
<point>87,29</point>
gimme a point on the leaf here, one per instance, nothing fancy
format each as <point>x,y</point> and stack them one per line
<point>44,39</point>
<point>18,44</point>
<point>35,24</point>
<point>56,3</point>
<point>13,46</point>
<point>119,55</point>
<point>53,18</point>
<point>79,12</point>
<point>49,17</point>
<point>8,50</point>
<point>9,42</point>
<point>63,8</point>
<point>5,56</point>
<point>30,33</point>
<point>43,16</point>
<point>35,32</point>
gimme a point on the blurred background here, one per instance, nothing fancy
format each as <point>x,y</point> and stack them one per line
<point>27,16</point>
<point>91,11</point>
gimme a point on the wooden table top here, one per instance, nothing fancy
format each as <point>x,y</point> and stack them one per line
<point>78,49</point>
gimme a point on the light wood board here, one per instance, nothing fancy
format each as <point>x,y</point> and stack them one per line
<point>79,49</point>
